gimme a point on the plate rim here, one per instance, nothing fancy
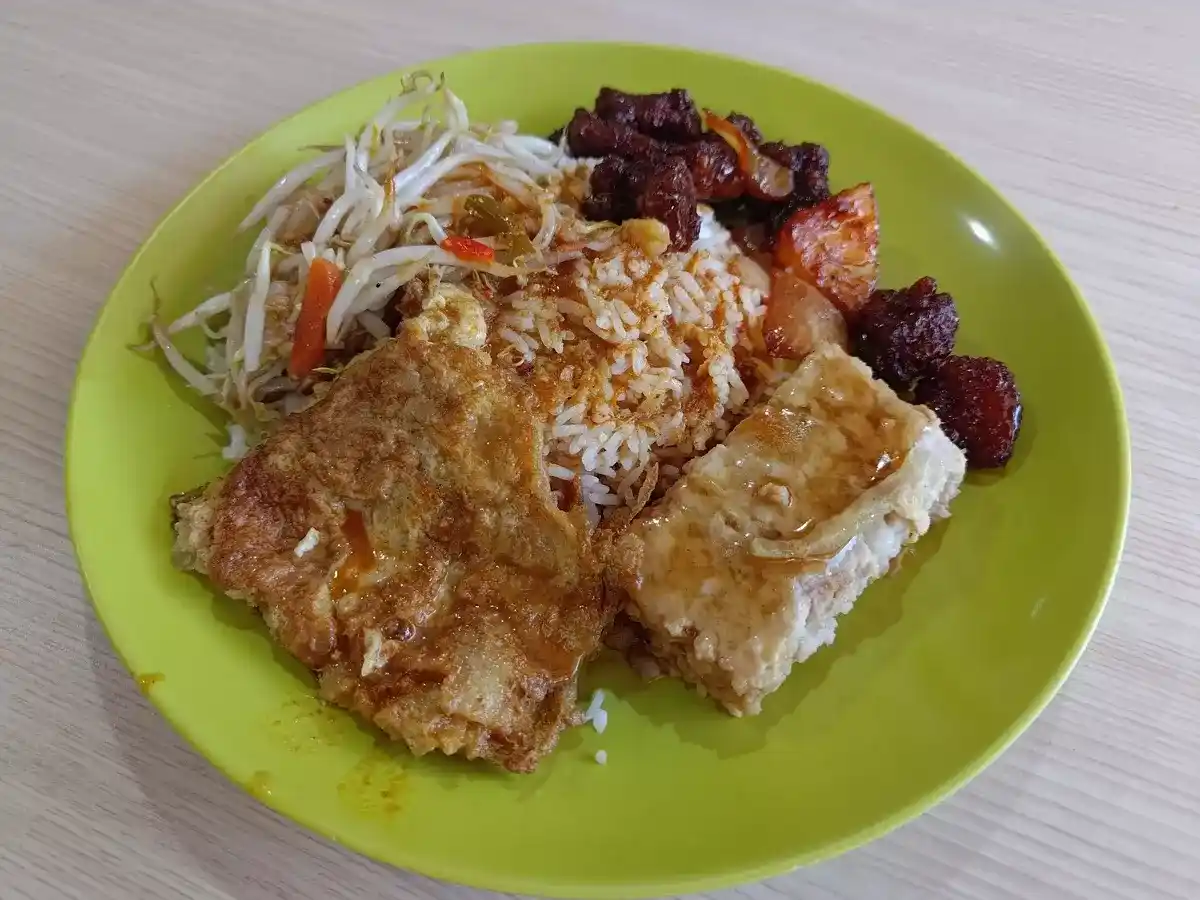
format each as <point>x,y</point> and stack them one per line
<point>557,886</point>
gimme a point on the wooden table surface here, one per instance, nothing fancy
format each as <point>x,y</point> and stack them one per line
<point>1086,114</point>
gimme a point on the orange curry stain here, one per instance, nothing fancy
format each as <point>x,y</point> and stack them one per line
<point>362,557</point>
<point>375,785</point>
<point>148,680</point>
<point>308,723</point>
<point>259,785</point>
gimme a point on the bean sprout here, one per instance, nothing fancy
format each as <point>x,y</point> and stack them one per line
<point>379,206</point>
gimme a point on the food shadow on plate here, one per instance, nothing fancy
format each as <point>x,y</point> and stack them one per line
<point>669,703</point>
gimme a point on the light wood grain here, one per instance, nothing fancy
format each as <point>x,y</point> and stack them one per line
<point>1086,114</point>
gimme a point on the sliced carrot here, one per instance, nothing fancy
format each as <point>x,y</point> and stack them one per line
<point>308,343</point>
<point>468,249</point>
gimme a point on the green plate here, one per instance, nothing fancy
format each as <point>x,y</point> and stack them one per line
<point>939,667</point>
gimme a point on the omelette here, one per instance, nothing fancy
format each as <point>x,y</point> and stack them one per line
<point>400,539</point>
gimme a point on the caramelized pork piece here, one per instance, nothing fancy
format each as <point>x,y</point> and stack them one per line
<point>614,190</point>
<point>746,563</point>
<point>809,164</point>
<point>979,405</point>
<point>835,245</point>
<point>714,167</point>
<point>400,540</point>
<point>588,135</point>
<point>669,195</point>
<point>799,318</point>
<point>903,334</point>
<point>747,126</point>
<point>660,188</point>
<point>670,116</point>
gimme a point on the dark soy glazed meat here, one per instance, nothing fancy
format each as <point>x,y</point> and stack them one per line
<point>747,126</point>
<point>810,168</point>
<point>979,405</point>
<point>714,167</point>
<point>612,198</point>
<point>809,165</point>
<point>659,188</point>
<point>670,116</point>
<point>588,135</point>
<point>638,135</point>
<point>617,183</point>
<point>669,195</point>
<point>712,162</point>
<point>903,334</point>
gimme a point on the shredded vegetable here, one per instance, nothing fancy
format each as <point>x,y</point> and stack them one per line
<point>189,373</point>
<point>256,311</point>
<point>343,305</point>
<point>373,323</point>
<point>288,185</point>
<point>207,310</point>
<point>236,448</point>
<point>419,192</point>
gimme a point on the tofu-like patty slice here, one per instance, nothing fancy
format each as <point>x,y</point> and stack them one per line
<point>743,567</point>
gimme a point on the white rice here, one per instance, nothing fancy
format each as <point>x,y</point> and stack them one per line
<point>596,713</point>
<point>661,383</point>
<point>308,543</point>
